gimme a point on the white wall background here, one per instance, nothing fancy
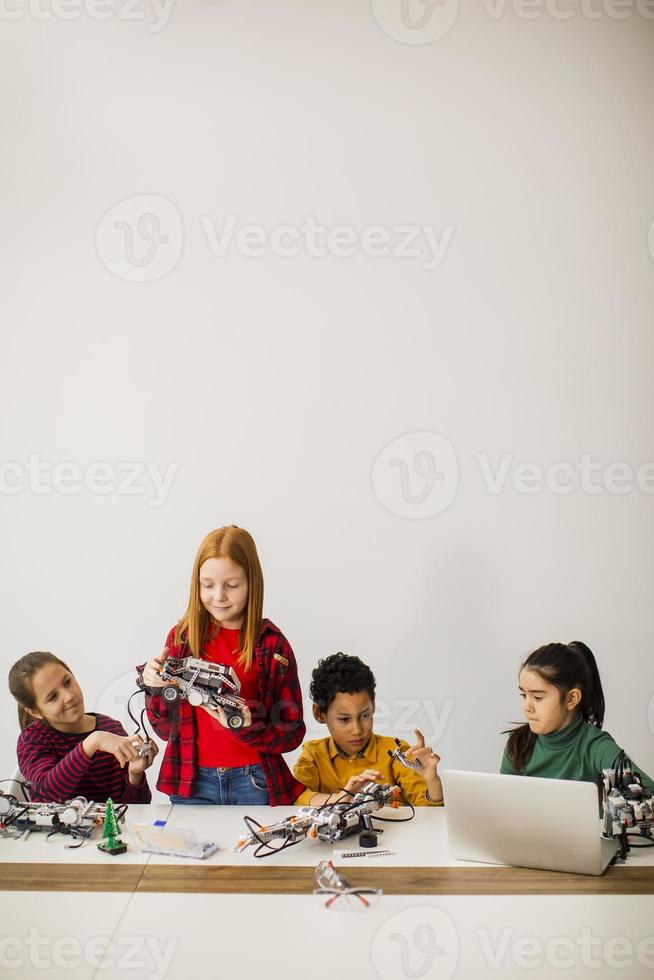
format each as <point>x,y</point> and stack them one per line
<point>273,383</point>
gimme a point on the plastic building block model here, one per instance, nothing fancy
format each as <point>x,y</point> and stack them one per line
<point>111,842</point>
<point>77,817</point>
<point>398,754</point>
<point>202,682</point>
<point>628,807</point>
<point>329,822</point>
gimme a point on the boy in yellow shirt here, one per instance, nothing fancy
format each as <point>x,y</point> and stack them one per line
<point>343,693</point>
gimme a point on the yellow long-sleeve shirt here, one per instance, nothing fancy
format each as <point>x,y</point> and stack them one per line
<point>322,768</point>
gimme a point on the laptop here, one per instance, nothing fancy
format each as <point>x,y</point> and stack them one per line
<point>525,821</point>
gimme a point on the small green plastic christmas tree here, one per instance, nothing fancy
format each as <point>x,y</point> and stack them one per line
<point>111,842</point>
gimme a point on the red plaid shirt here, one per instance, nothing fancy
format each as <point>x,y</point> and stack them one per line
<point>277,722</point>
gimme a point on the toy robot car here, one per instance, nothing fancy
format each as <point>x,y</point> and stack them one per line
<point>328,823</point>
<point>202,682</point>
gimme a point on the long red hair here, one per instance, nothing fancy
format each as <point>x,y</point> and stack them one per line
<point>196,625</point>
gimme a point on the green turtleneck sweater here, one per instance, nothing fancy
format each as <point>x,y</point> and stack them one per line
<point>580,752</point>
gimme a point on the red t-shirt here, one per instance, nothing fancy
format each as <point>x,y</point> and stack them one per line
<point>218,746</point>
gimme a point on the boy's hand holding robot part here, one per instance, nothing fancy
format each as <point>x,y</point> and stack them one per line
<point>420,757</point>
<point>214,687</point>
<point>423,760</point>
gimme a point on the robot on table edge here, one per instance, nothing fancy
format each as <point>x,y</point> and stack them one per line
<point>627,806</point>
<point>77,817</point>
<point>330,822</point>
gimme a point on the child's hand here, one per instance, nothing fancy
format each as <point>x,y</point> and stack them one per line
<point>425,755</point>
<point>428,760</point>
<point>138,766</point>
<point>219,715</point>
<point>120,746</point>
<point>152,670</point>
<point>354,783</point>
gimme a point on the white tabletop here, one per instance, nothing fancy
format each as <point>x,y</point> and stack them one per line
<point>421,842</point>
<point>201,937</point>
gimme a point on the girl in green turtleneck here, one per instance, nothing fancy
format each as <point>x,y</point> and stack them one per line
<point>564,707</point>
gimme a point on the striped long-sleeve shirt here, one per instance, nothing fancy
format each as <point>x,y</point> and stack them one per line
<point>57,767</point>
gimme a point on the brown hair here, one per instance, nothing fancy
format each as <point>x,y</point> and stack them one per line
<point>20,681</point>
<point>196,625</point>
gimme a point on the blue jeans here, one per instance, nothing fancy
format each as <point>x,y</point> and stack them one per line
<point>241,786</point>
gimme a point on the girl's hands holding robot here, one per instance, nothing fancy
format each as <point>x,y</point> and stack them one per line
<point>120,746</point>
<point>219,715</point>
<point>142,762</point>
<point>152,670</point>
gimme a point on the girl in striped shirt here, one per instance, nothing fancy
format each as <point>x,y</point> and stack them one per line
<point>64,751</point>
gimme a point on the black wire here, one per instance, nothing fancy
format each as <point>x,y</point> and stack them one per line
<point>15,817</point>
<point>140,725</point>
<point>83,837</point>
<point>274,850</point>
<point>250,823</point>
<point>22,785</point>
<point>371,796</point>
<point>396,819</point>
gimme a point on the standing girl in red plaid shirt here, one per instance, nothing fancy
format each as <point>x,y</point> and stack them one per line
<point>206,761</point>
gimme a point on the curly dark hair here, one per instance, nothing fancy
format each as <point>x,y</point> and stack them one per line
<point>340,674</point>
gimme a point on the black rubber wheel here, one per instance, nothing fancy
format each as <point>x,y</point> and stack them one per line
<point>235,721</point>
<point>170,693</point>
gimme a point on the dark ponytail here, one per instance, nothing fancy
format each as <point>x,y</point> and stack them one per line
<point>592,704</point>
<point>20,681</point>
<point>566,666</point>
